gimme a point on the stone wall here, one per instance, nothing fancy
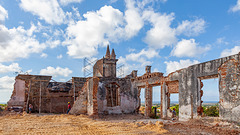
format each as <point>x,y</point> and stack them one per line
<point>45,97</point>
<point>229,90</point>
<point>127,96</point>
<point>190,85</point>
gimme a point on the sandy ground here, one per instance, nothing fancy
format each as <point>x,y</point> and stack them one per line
<point>113,125</point>
<point>70,124</point>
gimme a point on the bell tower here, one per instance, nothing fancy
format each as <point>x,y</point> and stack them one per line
<point>106,67</point>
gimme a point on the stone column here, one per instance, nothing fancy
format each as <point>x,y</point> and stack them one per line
<point>148,100</point>
<point>94,98</point>
<point>164,100</point>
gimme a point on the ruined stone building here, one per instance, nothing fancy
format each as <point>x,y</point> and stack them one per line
<point>104,93</point>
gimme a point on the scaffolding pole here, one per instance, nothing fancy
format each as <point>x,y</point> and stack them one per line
<point>40,103</point>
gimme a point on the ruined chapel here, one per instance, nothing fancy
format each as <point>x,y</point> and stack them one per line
<point>104,93</point>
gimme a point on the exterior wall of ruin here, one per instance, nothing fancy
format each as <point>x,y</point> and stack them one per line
<point>18,94</point>
<point>36,91</point>
<point>80,104</point>
<point>229,90</point>
<point>98,69</point>
<point>147,81</point>
<point>189,85</point>
<point>128,96</point>
<point>92,88</point>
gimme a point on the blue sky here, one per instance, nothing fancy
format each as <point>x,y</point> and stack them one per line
<point>51,37</point>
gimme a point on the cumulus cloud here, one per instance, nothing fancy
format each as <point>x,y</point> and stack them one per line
<point>3,14</point>
<point>174,65</point>
<point>236,7</point>
<point>191,28</point>
<point>48,10</point>
<point>137,61</point>
<point>133,19</point>
<point>18,43</point>
<point>221,40</point>
<point>14,67</point>
<point>6,83</point>
<point>43,55</point>
<point>142,56</point>
<point>66,2</point>
<point>228,52</point>
<point>55,72</point>
<point>188,48</point>
<point>85,36</point>
<point>100,27</point>
<point>59,56</point>
<point>161,34</point>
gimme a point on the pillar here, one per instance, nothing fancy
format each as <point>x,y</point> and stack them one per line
<point>164,100</point>
<point>148,100</point>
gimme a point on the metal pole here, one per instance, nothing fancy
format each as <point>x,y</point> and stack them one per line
<point>40,103</point>
<point>28,96</point>
<point>74,89</point>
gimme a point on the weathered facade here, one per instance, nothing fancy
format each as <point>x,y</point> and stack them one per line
<point>45,96</point>
<point>104,93</point>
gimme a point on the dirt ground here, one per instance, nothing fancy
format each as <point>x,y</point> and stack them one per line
<point>113,124</point>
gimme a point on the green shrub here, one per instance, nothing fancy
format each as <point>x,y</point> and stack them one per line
<point>211,111</point>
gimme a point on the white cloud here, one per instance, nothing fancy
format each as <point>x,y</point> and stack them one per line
<point>142,56</point>
<point>48,10</point>
<point>18,43</point>
<point>85,36</point>
<point>155,70</point>
<point>126,67</point>
<point>14,67</point>
<point>113,1</point>
<point>99,28</point>
<point>188,48</point>
<point>228,52</point>
<point>161,34</point>
<point>6,83</point>
<point>222,41</point>
<point>143,3</point>
<point>43,55</point>
<point>150,53</point>
<point>137,61</point>
<point>29,71</point>
<point>174,65</point>
<point>66,2</point>
<point>3,14</point>
<point>236,7</point>
<point>53,43</point>
<point>133,19</point>
<point>191,28</point>
<point>59,56</point>
<point>55,72</point>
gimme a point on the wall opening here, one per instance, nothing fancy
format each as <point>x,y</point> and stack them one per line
<point>142,101</point>
<point>209,95</point>
<point>156,99</point>
<point>113,95</point>
<point>174,102</point>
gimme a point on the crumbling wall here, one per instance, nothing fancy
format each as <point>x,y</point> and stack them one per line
<point>190,86</point>
<point>45,97</point>
<point>229,90</point>
<point>127,96</point>
<point>80,104</point>
<point>18,94</point>
<point>92,90</point>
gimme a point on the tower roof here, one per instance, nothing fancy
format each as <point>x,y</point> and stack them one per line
<point>113,55</point>
<point>107,52</point>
